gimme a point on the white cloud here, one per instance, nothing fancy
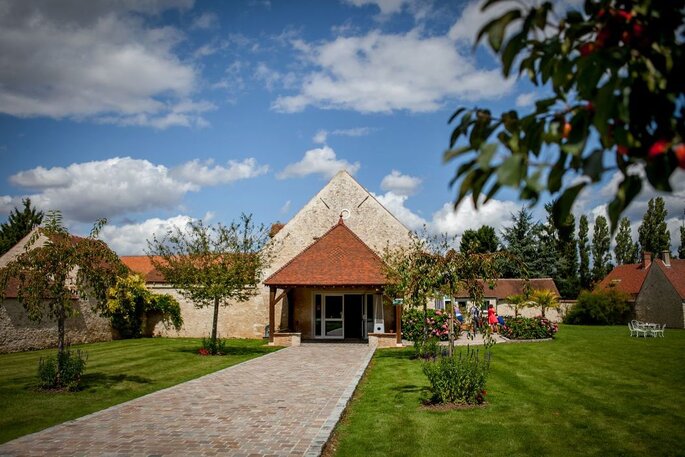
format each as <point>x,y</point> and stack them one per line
<point>322,135</point>
<point>495,213</point>
<point>524,100</point>
<point>207,174</point>
<point>131,239</point>
<point>400,184</point>
<point>396,205</point>
<point>380,72</point>
<point>386,6</point>
<point>113,187</point>
<point>321,161</point>
<point>206,20</point>
<point>285,209</point>
<point>95,60</point>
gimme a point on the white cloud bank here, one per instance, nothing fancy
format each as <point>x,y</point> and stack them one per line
<point>114,187</point>
<point>400,184</point>
<point>322,161</point>
<point>321,136</point>
<point>96,60</point>
<point>131,239</point>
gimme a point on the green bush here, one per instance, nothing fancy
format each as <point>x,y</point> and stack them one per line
<point>604,307</point>
<point>528,328</point>
<point>212,347</point>
<point>437,320</point>
<point>429,349</point>
<point>459,378</point>
<point>71,368</point>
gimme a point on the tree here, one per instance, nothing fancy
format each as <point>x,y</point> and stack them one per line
<point>681,249</point>
<point>213,265</point>
<point>130,304</point>
<point>584,253</point>
<point>653,233</point>
<point>562,236</point>
<point>615,73</point>
<point>481,241</point>
<point>601,257</point>
<point>517,301</point>
<point>521,240</point>
<point>55,268</point>
<point>545,299</point>
<point>625,250</point>
<point>18,225</point>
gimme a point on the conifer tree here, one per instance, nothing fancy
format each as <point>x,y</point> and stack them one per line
<point>18,225</point>
<point>681,249</point>
<point>625,250</point>
<point>653,232</point>
<point>584,253</point>
<point>601,257</point>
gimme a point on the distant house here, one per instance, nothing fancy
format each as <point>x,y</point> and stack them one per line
<point>656,287</point>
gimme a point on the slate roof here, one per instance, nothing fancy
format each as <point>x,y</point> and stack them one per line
<point>337,258</point>
<point>142,265</point>
<point>503,288</point>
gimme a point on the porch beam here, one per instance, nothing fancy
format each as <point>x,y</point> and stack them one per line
<point>398,324</point>
<point>272,313</point>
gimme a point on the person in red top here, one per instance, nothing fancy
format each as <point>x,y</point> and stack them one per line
<point>492,317</point>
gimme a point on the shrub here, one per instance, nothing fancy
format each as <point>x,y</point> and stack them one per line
<point>528,328</point>
<point>429,349</point>
<point>459,378</point>
<point>212,347</point>
<point>437,320</point>
<point>71,368</point>
<point>603,307</point>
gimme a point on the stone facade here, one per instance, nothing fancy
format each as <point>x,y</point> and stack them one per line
<point>659,302</point>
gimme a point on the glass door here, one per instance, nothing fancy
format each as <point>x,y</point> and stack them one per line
<point>333,312</point>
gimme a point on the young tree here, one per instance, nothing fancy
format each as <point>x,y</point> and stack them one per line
<point>584,253</point>
<point>653,233</point>
<point>517,301</point>
<point>213,265</point>
<point>545,299</point>
<point>57,268</point>
<point>481,241</point>
<point>625,250</point>
<point>18,225</point>
<point>601,257</point>
<point>615,72</point>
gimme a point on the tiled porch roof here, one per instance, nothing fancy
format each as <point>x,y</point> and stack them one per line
<point>338,258</point>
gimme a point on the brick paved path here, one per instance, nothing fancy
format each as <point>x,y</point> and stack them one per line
<point>284,403</point>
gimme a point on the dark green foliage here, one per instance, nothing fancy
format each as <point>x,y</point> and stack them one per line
<point>606,307</point>
<point>63,370</point>
<point>18,225</point>
<point>528,328</point>
<point>213,346</point>
<point>428,349</point>
<point>625,251</point>
<point>561,240</point>
<point>459,378</point>
<point>522,240</point>
<point>584,253</point>
<point>681,249</point>
<point>601,256</point>
<point>614,71</point>
<point>653,233</point>
<point>481,241</point>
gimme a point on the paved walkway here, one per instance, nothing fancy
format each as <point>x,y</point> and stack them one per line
<point>282,404</point>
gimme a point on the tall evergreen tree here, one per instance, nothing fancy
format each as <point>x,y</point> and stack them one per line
<point>18,225</point>
<point>601,242</point>
<point>681,249</point>
<point>521,239</point>
<point>625,250</point>
<point>561,237</point>
<point>584,253</point>
<point>481,241</point>
<point>653,232</point>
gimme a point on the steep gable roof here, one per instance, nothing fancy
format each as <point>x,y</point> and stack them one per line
<point>338,258</point>
<point>626,278</point>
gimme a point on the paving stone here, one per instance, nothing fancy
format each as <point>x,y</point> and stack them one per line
<point>283,404</point>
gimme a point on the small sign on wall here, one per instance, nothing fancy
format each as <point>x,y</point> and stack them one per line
<point>397,301</point>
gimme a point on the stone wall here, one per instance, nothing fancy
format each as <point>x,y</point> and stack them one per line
<point>19,333</point>
<point>658,301</point>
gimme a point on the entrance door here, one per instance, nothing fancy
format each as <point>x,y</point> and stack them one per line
<point>354,316</point>
<point>333,316</point>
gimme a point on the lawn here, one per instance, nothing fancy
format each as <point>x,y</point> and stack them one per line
<point>117,371</point>
<point>593,391</point>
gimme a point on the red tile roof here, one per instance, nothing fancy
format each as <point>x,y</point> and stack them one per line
<point>338,258</point>
<point>503,288</point>
<point>142,265</point>
<point>626,278</point>
<point>675,274</point>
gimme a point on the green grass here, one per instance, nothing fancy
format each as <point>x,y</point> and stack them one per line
<point>117,371</point>
<point>593,391</point>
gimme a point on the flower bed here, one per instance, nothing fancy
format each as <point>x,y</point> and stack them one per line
<point>437,320</point>
<point>528,328</point>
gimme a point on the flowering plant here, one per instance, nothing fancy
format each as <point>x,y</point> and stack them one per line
<point>528,328</point>
<point>437,321</point>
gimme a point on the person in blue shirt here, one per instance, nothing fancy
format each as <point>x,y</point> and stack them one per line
<point>458,315</point>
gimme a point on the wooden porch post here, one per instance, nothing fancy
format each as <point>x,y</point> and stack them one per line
<point>398,323</point>
<point>272,313</point>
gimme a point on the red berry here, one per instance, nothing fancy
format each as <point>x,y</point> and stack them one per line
<point>659,147</point>
<point>625,37</point>
<point>627,16</point>
<point>679,151</point>
<point>587,49</point>
<point>638,29</point>
<point>623,150</point>
<point>566,131</point>
<point>590,107</point>
<point>602,37</point>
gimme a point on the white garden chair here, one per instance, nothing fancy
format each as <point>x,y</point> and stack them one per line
<point>657,331</point>
<point>631,327</point>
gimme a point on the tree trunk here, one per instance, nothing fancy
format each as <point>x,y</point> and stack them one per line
<point>60,342</point>
<point>451,346</point>
<point>542,310</point>
<point>216,319</point>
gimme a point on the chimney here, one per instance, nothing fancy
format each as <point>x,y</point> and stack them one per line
<point>666,256</point>
<point>646,259</point>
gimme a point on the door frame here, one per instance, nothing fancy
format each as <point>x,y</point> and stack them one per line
<point>324,294</point>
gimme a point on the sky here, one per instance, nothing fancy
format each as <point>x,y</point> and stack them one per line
<point>151,113</point>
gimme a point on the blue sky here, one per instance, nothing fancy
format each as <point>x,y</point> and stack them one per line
<point>153,112</point>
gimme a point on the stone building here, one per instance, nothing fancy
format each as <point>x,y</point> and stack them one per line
<point>656,288</point>
<point>325,280</point>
